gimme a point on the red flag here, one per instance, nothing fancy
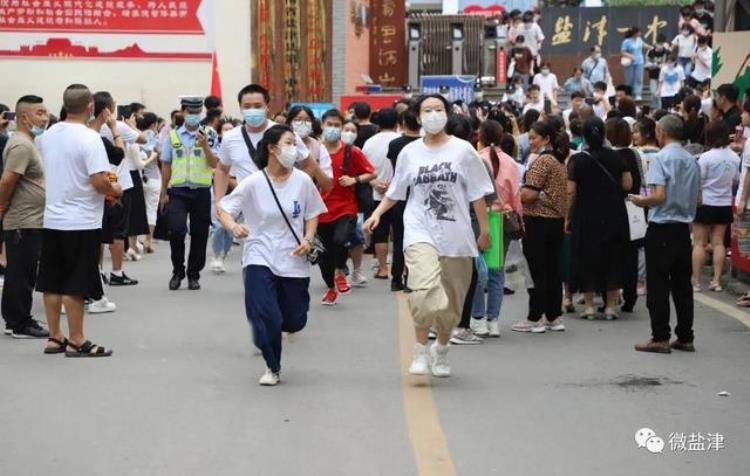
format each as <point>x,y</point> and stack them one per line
<point>215,78</point>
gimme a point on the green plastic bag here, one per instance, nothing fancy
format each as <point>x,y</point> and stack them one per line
<point>493,255</point>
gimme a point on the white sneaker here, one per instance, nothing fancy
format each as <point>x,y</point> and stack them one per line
<point>420,365</point>
<point>139,247</point>
<point>217,265</point>
<point>556,325</point>
<point>479,327</point>
<point>494,328</point>
<point>269,379</point>
<point>358,279</point>
<point>101,306</point>
<point>465,337</point>
<point>529,326</point>
<point>439,357</point>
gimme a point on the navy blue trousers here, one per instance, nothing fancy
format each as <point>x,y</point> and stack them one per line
<point>273,305</point>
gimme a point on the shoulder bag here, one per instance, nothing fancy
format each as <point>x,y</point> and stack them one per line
<point>362,191</point>
<point>317,247</point>
<point>636,216</point>
<point>250,147</point>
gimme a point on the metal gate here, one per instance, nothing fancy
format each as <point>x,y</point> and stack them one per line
<point>437,41</point>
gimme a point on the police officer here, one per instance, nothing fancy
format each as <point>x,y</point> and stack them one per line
<point>189,155</point>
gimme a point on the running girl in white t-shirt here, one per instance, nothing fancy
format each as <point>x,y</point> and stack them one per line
<point>281,206</point>
<point>443,175</point>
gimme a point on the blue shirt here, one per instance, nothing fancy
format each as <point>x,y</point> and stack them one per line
<point>635,48</point>
<point>188,140</point>
<point>595,70</point>
<point>678,172</point>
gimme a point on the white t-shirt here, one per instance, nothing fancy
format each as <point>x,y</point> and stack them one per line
<point>685,45</point>
<point>745,167</point>
<point>376,151</point>
<point>702,72</point>
<point>532,36</point>
<point>547,85</point>
<point>129,136</point>
<point>443,182</point>
<point>539,105</point>
<point>599,110</point>
<point>271,242</point>
<point>234,154</point>
<point>719,170</point>
<point>72,153</point>
<point>670,78</point>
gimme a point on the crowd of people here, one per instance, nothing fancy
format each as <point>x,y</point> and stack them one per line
<point>666,66</point>
<point>413,184</point>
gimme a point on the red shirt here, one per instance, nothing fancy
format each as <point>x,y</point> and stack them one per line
<point>342,201</point>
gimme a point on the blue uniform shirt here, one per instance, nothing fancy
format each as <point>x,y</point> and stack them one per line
<point>678,171</point>
<point>188,140</point>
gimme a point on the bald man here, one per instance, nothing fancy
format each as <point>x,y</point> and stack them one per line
<point>75,156</point>
<point>22,212</point>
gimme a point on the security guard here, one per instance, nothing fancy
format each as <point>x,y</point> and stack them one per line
<point>189,156</point>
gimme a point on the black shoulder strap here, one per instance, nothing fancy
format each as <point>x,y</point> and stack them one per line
<point>347,159</point>
<point>278,204</point>
<point>604,169</point>
<point>250,148</point>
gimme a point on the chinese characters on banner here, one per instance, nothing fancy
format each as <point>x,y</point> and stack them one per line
<point>576,30</point>
<point>388,63</point>
<point>101,16</point>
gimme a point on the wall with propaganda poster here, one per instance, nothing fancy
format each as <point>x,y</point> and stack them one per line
<point>149,51</point>
<point>572,31</point>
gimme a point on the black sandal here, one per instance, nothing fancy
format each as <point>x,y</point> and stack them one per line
<point>61,345</point>
<point>84,350</point>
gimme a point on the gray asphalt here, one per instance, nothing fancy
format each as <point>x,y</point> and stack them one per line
<point>180,395</point>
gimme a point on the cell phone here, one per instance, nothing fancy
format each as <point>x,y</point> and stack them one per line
<point>547,106</point>
<point>590,101</point>
<point>10,116</point>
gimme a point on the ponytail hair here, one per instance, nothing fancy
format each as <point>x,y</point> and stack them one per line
<point>491,135</point>
<point>559,141</point>
<point>271,137</point>
<point>594,132</point>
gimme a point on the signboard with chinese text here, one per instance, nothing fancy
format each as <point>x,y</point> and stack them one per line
<point>106,29</point>
<point>388,62</point>
<point>571,31</point>
<point>460,87</point>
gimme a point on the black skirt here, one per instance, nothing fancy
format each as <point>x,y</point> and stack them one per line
<point>711,215</point>
<point>137,221</point>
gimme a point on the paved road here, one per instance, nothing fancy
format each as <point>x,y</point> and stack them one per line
<point>180,396</point>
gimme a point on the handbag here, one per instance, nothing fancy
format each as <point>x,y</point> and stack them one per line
<point>512,226</point>
<point>362,191</point>
<point>636,216</point>
<point>317,246</point>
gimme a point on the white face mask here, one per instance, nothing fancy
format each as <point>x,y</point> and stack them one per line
<point>302,128</point>
<point>288,156</point>
<point>434,122</point>
<point>348,137</point>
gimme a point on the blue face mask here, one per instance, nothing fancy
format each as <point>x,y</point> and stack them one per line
<point>332,134</point>
<point>254,117</point>
<point>36,131</point>
<point>192,120</point>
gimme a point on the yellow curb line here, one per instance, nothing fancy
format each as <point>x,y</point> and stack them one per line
<point>723,308</point>
<point>422,420</point>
